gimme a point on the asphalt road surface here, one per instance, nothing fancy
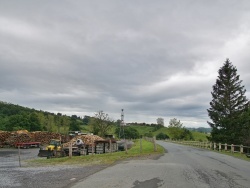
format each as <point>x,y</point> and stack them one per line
<point>181,166</point>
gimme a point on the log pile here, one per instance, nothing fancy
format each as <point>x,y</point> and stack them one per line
<point>45,137</point>
<point>18,136</point>
<point>87,140</point>
<point>3,136</point>
<point>10,138</point>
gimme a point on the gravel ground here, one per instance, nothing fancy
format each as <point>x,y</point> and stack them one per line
<point>12,175</point>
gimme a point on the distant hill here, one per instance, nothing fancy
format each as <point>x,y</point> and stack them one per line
<point>154,131</point>
<point>200,129</point>
<point>14,117</point>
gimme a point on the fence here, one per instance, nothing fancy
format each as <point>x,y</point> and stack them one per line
<point>14,157</point>
<point>216,146</point>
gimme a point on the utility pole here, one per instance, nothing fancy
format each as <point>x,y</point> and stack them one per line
<point>121,132</point>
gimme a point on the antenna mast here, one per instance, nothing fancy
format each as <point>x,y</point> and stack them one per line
<point>121,133</point>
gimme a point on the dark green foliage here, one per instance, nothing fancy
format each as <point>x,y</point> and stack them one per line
<point>245,131</point>
<point>86,120</point>
<point>23,121</point>
<point>74,125</point>
<point>178,133</point>
<point>15,117</point>
<point>150,135</point>
<point>34,124</point>
<point>129,132</point>
<point>157,127</point>
<point>17,121</point>
<point>162,136</point>
<point>227,106</point>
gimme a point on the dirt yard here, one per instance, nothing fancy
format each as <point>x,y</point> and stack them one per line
<point>12,175</point>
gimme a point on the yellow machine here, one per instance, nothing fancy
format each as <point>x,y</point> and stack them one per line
<point>54,149</point>
<point>54,144</point>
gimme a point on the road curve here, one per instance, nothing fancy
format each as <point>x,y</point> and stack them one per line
<point>181,166</point>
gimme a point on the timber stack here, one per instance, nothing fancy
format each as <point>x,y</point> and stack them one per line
<point>45,137</point>
<point>87,140</point>
<point>18,136</point>
<point>3,136</point>
<point>10,138</point>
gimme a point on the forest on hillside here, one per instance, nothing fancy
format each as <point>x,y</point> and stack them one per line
<point>200,129</point>
<point>14,117</point>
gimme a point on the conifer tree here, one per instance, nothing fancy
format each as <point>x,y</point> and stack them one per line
<point>227,106</point>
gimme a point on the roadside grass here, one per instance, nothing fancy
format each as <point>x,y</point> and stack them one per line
<point>236,155</point>
<point>199,136</point>
<point>143,129</point>
<point>101,159</point>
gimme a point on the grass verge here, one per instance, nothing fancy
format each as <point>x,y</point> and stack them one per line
<point>101,159</point>
<point>236,155</point>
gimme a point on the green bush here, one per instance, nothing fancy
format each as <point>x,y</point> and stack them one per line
<point>162,136</point>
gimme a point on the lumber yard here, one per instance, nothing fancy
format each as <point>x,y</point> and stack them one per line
<point>58,145</point>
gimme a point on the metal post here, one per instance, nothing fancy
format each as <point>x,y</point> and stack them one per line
<point>155,148</point>
<point>125,145</point>
<point>19,156</point>
<point>93,148</point>
<point>110,145</point>
<point>140,145</point>
<point>70,150</point>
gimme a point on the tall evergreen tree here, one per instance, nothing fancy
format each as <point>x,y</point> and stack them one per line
<point>227,106</point>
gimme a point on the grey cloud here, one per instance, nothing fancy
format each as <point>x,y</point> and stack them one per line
<point>152,59</point>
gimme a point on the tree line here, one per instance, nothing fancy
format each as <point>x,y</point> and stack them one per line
<point>14,117</point>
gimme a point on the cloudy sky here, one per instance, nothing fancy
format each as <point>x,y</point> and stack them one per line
<point>151,58</point>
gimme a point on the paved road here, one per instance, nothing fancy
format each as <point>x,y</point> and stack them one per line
<point>182,166</point>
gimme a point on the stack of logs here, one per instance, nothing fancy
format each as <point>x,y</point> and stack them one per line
<point>87,140</point>
<point>45,137</point>
<point>23,137</point>
<point>10,138</point>
<point>3,136</point>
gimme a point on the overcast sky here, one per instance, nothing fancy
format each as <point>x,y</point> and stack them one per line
<point>151,58</point>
